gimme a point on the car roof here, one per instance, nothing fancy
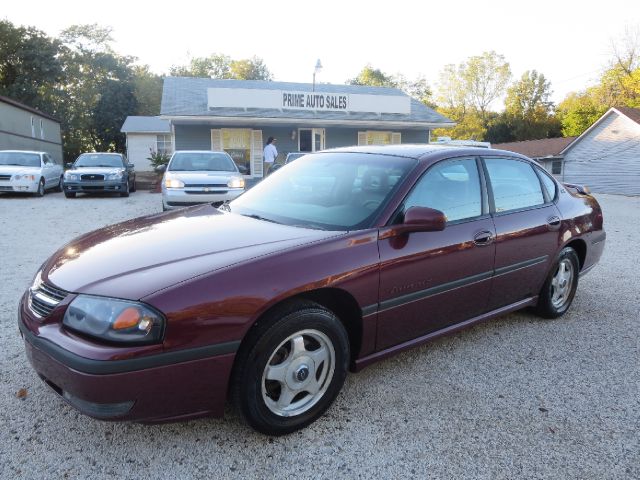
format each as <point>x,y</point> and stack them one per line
<point>199,151</point>
<point>22,151</point>
<point>101,153</point>
<point>425,152</point>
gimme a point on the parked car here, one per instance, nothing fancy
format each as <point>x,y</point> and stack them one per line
<point>291,156</point>
<point>200,176</point>
<point>354,255</point>
<point>29,172</point>
<point>100,173</point>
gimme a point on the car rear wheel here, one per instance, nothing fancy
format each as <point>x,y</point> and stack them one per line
<point>291,368</point>
<point>560,287</point>
<point>40,191</point>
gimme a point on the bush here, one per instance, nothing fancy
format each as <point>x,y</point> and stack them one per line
<point>158,158</point>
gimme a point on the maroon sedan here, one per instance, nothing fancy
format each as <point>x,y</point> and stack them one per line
<point>341,259</point>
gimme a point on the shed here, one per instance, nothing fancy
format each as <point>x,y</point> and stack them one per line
<point>146,135</point>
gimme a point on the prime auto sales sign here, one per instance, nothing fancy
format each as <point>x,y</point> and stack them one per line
<point>315,101</point>
<point>250,98</point>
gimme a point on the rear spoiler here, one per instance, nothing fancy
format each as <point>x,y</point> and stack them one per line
<point>581,189</point>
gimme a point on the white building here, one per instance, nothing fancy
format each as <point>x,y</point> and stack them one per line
<point>606,157</point>
<point>146,135</point>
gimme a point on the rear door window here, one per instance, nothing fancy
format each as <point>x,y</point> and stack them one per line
<point>514,184</point>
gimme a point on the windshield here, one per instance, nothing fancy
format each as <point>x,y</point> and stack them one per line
<point>20,158</point>
<point>329,191</point>
<point>293,156</point>
<point>202,161</point>
<point>99,160</point>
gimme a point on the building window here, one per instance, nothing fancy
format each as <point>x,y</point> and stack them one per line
<point>237,143</point>
<point>33,128</point>
<point>556,167</point>
<point>41,129</point>
<point>163,144</point>
<point>373,137</point>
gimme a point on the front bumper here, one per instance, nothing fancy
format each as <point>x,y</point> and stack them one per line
<point>113,186</point>
<point>184,197</point>
<point>19,186</point>
<point>152,388</point>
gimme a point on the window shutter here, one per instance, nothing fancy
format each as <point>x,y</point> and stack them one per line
<point>396,138</point>
<point>256,153</point>
<point>216,140</point>
<point>362,138</point>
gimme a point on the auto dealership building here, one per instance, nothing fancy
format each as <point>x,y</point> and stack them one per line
<point>238,116</point>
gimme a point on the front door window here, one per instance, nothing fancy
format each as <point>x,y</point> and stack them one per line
<point>311,139</point>
<point>237,143</point>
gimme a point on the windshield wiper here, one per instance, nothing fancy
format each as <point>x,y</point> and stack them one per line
<point>258,217</point>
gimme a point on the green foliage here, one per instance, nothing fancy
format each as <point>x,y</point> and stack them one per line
<point>466,91</point>
<point>147,90</point>
<point>158,158</point>
<point>222,66</point>
<point>528,112</point>
<point>30,68</point>
<point>373,77</point>
<point>578,111</point>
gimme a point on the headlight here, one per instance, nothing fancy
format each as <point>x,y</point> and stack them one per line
<point>29,177</point>
<point>71,177</point>
<point>236,182</point>
<point>173,183</point>
<point>114,320</point>
<point>114,176</point>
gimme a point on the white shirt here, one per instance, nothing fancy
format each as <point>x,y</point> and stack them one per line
<point>270,153</point>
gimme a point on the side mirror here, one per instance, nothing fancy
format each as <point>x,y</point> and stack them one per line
<point>242,169</point>
<point>424,219</point>
<point>161,168</point>
<point>130,166</point>
<point>69,165</point>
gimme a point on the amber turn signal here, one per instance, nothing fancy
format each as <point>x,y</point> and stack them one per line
<point>127,319</point>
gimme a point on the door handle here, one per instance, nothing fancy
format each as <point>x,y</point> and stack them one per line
<point>483,238</point>
<point>553,221</point>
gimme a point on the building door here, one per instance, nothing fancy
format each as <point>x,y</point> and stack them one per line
<point>311,139</point>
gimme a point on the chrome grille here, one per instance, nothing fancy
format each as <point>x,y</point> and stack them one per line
<point>205,185</point>
<point>91,176</point>
<point>5,177</point>
<point>45,298</point>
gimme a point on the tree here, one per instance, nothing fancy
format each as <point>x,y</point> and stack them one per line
<point>578,111</point>
<point>117,101</point>
<point>30,67</point>
<point>466,91</point>
<point>528,111</point>
<point>372,77</point>
<point>222,66</point>
<point>485,78</point>
<point>147,90</point>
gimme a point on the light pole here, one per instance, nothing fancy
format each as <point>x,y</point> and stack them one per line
<point>315,71</point>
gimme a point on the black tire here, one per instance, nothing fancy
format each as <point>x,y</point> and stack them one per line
<point>550,303</point>
<point>133,185</point>
<point>126,191</point>
<point>40,191</point>
<point>70,194</point>
<point>59,187</point>
<point>269,341</point>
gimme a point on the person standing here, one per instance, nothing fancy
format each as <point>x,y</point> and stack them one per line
<point>270,154</point>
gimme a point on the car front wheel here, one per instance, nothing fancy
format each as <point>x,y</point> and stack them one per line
<point>291,369</point>
<point>125,193</point>
<point>560,287</point>
<point>40,191</point>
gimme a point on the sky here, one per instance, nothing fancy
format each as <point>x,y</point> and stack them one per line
<point>569,41</point>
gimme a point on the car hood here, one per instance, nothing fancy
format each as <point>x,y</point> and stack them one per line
<point>203,178</point>
<point>138,257</point>
<point>95,170</point>
<point>13,169</point>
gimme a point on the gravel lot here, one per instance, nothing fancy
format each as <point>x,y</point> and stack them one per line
<point>517,397</point>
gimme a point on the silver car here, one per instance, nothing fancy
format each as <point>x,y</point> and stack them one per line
<point>200,176</point>
<point>29,172</point>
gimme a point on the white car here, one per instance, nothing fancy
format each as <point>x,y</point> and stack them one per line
<point>200,176</point>
<point>29,172</point>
